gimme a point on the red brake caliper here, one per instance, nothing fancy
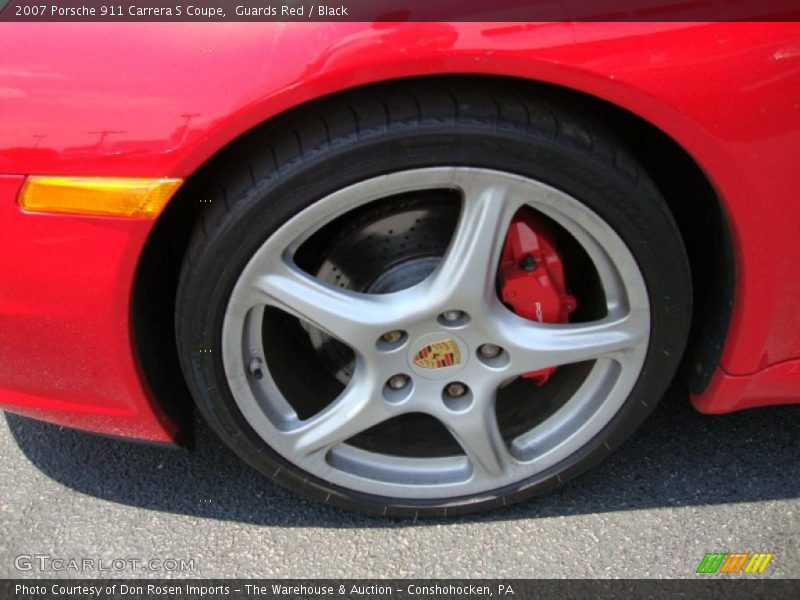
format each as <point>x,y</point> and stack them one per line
<point>532,278</point>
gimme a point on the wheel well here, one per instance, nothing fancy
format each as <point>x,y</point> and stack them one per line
<point>689,194</point>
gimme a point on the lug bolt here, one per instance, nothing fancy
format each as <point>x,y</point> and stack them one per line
<point>392,337</point>
<point>398,382</point>
<point>452,315</point>
<point>490,350</point>
<point>455,389</point>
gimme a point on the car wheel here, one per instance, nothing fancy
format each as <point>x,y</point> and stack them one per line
<point>426,299</point>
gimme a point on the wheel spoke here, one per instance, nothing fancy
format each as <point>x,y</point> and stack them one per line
<point>469,267</point>
<point>358,408</point>
<point>479,435</point>
<point>351,317</point>
<point>534,346</point>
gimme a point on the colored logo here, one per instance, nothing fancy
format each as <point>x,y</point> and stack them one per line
<point>438,355</point>
<point>734,562</point>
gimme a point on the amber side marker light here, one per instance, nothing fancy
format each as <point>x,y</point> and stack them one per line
<point>104,196</point>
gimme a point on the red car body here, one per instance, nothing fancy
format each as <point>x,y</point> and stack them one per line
<point>159,100</point>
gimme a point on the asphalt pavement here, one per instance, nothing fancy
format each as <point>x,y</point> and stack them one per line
<point>686,484</point>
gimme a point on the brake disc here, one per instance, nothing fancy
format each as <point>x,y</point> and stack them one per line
<point>390,247</point>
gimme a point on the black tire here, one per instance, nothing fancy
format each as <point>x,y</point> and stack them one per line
<point>287,165</point>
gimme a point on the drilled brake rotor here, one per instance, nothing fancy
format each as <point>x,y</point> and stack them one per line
<point>388,248</point>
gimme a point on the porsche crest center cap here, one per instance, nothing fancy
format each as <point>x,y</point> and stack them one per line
<point>437,355</point>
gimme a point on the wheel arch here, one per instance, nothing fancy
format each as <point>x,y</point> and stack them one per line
<point>690,194</point>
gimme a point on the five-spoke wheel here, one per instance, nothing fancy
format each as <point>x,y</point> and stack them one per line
<point>457,307</point>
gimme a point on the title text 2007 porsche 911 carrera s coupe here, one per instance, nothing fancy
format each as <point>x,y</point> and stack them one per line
<point>416,268</point>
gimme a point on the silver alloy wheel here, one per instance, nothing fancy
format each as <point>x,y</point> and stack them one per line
<point>465,281</point>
